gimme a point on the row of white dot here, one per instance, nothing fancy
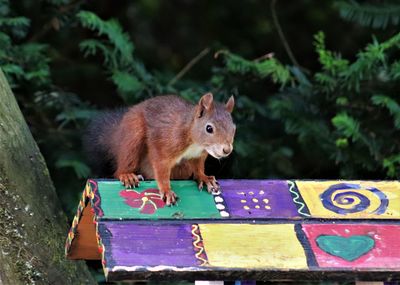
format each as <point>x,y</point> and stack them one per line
<point>219,203</point>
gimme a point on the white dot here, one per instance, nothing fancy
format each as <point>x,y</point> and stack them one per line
<point>220,206</point>
<point>218,199</point>
<point>224,214</point>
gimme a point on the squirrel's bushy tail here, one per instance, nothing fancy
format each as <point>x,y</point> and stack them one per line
<point>96,141</point>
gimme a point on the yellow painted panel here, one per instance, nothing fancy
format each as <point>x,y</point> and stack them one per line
<point>253,246</point>
<point>351,199</point>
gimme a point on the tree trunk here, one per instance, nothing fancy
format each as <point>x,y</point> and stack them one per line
<point>33,226</point>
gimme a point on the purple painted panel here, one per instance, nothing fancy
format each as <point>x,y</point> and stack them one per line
<point>258,199</point>
<point>147,245</point>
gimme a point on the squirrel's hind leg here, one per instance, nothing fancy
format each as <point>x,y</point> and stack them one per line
<point>128,152</point>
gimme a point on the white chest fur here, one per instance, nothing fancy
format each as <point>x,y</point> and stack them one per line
<point>192,151</point>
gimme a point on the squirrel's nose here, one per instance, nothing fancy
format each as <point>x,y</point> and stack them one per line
<point>227,150</point>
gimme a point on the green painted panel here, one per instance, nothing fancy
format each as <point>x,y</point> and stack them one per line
<point>144,202</point>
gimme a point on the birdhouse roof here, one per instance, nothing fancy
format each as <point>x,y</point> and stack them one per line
<point>257,228</point>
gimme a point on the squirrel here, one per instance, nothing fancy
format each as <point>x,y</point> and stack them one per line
<point>164,137</point>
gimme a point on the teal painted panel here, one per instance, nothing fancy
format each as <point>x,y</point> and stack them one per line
<point>144,202</point>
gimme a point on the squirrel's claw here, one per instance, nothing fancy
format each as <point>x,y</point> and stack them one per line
<point>170,198</point>
<point>140,177</point>
<point>211,184</point>
<point>201,183</point>
<point>129,180</point>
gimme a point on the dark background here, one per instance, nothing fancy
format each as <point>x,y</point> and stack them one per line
<point>285,129</point>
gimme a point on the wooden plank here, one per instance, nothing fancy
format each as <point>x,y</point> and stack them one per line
<point>260,275</point>
<point>253,199</point>
<point>133,248</point>
<point>245,246</point>
<point>351,199</point>
<point>145,201</point>
<point>359,246</point>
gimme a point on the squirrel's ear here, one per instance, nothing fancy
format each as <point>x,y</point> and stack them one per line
<point>230,104</point>
<point>206,103</point>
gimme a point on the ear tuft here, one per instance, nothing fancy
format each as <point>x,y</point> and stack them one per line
<point>206,103</point>
<point>230,104</point>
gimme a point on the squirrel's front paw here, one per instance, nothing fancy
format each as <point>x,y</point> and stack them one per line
<point>170,198</point>
<point>210,182</point>
<point>130,180</point>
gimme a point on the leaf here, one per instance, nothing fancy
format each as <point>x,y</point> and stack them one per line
<point>342,143</point>
<point>74,114</point>
<point>71,161</point>
<point>395,70</point>
<point>368,62</point>
<point>18,26</point>
<point>92,47</point>
<point>378,15</point>
<point>128,74</point>
<point>112,30</point>
<point>391,105</point>
<point>266,68</point>
<point>331,62</point>
<point>392,164</point>
<point>347,125</point>
<point>127,84</point>
<point>13,69</point>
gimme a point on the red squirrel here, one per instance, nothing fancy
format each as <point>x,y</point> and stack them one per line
<point>164,137</point>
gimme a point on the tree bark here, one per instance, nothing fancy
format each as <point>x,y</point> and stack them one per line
<point>33,226</point>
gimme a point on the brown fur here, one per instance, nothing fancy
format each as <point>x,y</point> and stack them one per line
<point>153,135</point>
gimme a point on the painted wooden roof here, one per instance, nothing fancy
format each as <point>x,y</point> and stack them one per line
<point>254,229</point>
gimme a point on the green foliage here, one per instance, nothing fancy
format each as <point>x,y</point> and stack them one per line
<point>347,126</point>
<point>338,112</point>
<point>391,105</point>
<point>392,164</point>
<point>119,46</point>
<point>268,67</point>
<point>331,62</point>
<point>56,113</point>
<point>75,162</point>
<point>377,15</point>
<point>337,116</point>
<point>22,63</point>
<point>127,73</point>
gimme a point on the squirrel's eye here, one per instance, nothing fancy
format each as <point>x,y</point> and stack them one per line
<point>209,129</point>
